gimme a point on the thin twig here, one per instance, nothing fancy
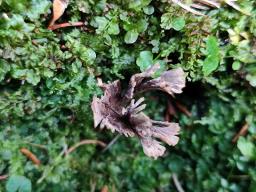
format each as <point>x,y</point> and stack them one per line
<point>177,183</point>
<point>85,142</point>
<point>37,145</point>
<point>235,6</point>
<point>93,184</point>
<point>170,108</point>
<point>167,117</point>
<point>183,109</point>
<point>188,8</point>
<point>170,112</point>
<point>3,177</point>
<point>209,3</point>
<point>56,161</point>
<point>62,25</point>
<point>111,143</point>
<point>198,6</point>
<point>30,156</point>
<point>240,177</point>
<point>241,132</point>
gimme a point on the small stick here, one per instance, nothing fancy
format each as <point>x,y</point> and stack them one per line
<point>167,117</point>
<point>30,156</point>
<point>62,25</point>
<point>242,132</point>
<point>171,110</point>
<point>209,3</point>
<point>235,6</point>
<point>239,177</point>
<point>37,145</point>
<point>188,8</point>
<point>3,177</point>
<point>177,183</point>
<point>183,109</point>
<point>85,142</point>
<point>198,6</point>
<point>55,162</point>
<point>93,184</point>
<point>111,143</point>
<point>34,42</point>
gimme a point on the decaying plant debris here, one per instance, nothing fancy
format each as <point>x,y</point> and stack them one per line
<point>59,6</point>
<point>201,5</point>
<point>118,111</point>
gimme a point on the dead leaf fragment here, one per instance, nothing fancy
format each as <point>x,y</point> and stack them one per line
<point>30,156</point>
<point>3,177</point>
<point>104,189</point>
<point>201,5</point>
<point>59,7</point>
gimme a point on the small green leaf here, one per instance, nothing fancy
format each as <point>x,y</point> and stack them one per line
<point>236,65</point>
<point>212,60</point>
<point>246,147</point>
<point>19,73</point>
<point>37,8</point>
<point>178,23</point>
<point>131,36</point>
<point>18,184</point>
<point>32,77</point>
<point>166,21</point>
<point>91,55</point>
<point>212,46</point>
<point>145,60</point>
<point>149,10</point>
<point>141,25</point>
<point>161,69</point>
<point>100,23</point>
<point>113,29</point>
<point>138,4</point>
<point>210,64</point>
<point>4,68</point>
<point>251,79</point>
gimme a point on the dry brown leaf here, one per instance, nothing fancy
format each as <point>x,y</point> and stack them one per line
<point>59,7</point>
<point>104,189</point>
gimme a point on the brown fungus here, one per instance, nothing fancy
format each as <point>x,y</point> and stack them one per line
<point>119,112</point>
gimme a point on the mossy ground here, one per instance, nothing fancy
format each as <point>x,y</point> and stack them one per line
<point>48,78</point>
